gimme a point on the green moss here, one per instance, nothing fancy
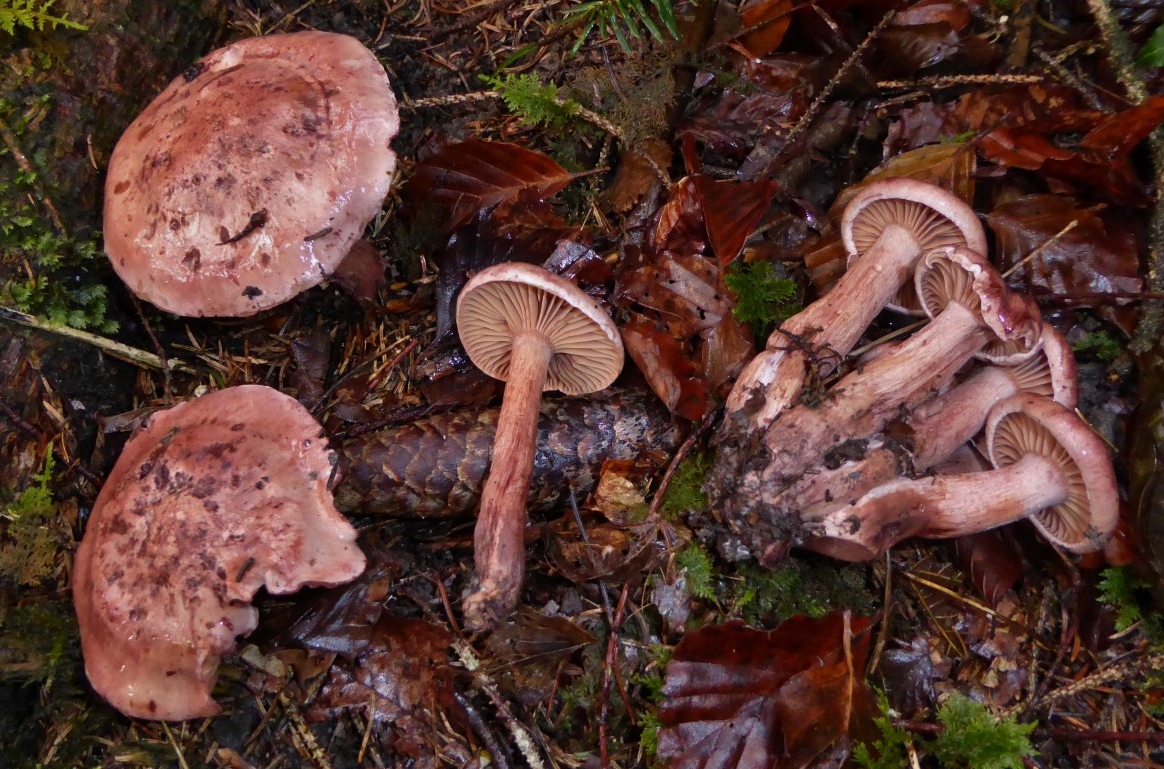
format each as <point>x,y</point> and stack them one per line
<point>1101,344</point>
<point>46,268</point>
<point>888,751</point>
<point>971,737</point>
<point>684,492</point>
<point>31,543</point>
<point>768,596</point>
<point>762,298</point>
<point>535,102</point>
<point>697,566</point>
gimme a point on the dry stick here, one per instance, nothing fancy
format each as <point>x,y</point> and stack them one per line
<point>1130,668</point>
<point>1042,247</point>
<point>521,736</point>
<point>604,689</point>
<point>1119,50</point>
<point>810,114</point>
<point>116,349</point>
<point>957,81</point>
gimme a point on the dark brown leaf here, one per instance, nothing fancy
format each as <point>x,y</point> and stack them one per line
<point>667,367</point>
<point>403,672</point>
<point>740,697</point>
<point>1092,258</point>
<point>529,651</point>
<point>608,551</point>
<point>764,22</point>
<point>731,211</point>
<point>463,178</point>
<point>992,561</point>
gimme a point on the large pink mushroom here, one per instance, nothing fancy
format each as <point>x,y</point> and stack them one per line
<point>886,228</point>
<point>1050,467</point>
<point>250,177</point>
<point>210,501</point>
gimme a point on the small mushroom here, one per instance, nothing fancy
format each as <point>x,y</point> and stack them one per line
<point>210,501</point>
<point>537,331</point>
<point>971,309</point>
<point>886,228</point>
<point>1050,467</point>
<point>251,176</point>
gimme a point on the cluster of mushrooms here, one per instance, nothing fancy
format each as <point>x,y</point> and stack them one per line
<point>248,180</point>
<point>251,178</point>
<point>889,451</point>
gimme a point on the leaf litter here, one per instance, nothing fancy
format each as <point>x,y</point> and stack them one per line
<point>792,106</point>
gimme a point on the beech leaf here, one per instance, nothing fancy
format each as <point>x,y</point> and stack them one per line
<point>462,178</point>
<point>742,698</point>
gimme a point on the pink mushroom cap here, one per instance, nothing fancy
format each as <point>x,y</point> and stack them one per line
<point>210,501</point>
<point>250,177</point>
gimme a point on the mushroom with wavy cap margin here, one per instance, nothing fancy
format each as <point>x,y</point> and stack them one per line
<point>250,177</point>
<point>1051,467</point>
<point>210,501</point>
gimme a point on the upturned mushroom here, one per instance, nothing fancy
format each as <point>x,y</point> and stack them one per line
<point>1050,467</point>
<point>936,429</point>
<point>971,309</point>
<point>537,331</point>
<point>886,228</point>
<point>251,176</point>
<point>211,500</point>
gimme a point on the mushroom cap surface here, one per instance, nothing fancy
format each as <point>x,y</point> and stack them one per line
<point>935,216</point>
<point>959,274</point>
<point>211,500</point>
<point>510,298</point>
<point>248,179</point>
<point>1028,423</point>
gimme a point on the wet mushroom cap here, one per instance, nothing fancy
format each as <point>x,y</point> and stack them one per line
<point>213,499</point>
<point>502,301</point>
<point>959,274</point>
<point>1028,423</point>
<point>935,217</point>
<point>250,177</point>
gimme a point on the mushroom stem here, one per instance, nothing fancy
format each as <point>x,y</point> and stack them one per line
<point>861,403</point>
<point>498,545</point>
<point>829,326</point>
<point>937,507</point>
<point>957,415</point>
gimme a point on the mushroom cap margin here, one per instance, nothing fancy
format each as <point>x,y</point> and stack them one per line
<point>498,302</point>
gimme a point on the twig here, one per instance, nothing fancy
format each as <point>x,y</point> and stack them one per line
<point>814,108</point>
<point>1132,667</point>
<point>521,735</point>
<point>607,677</point>
<point>116,349</point>
<point>1042,247</point>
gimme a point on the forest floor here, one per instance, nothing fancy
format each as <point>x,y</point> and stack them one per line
<point>721,135</point>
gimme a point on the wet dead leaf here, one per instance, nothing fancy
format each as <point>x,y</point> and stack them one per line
<point>463,178</point>
<point>790,697</point>
<point>529,651</point>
